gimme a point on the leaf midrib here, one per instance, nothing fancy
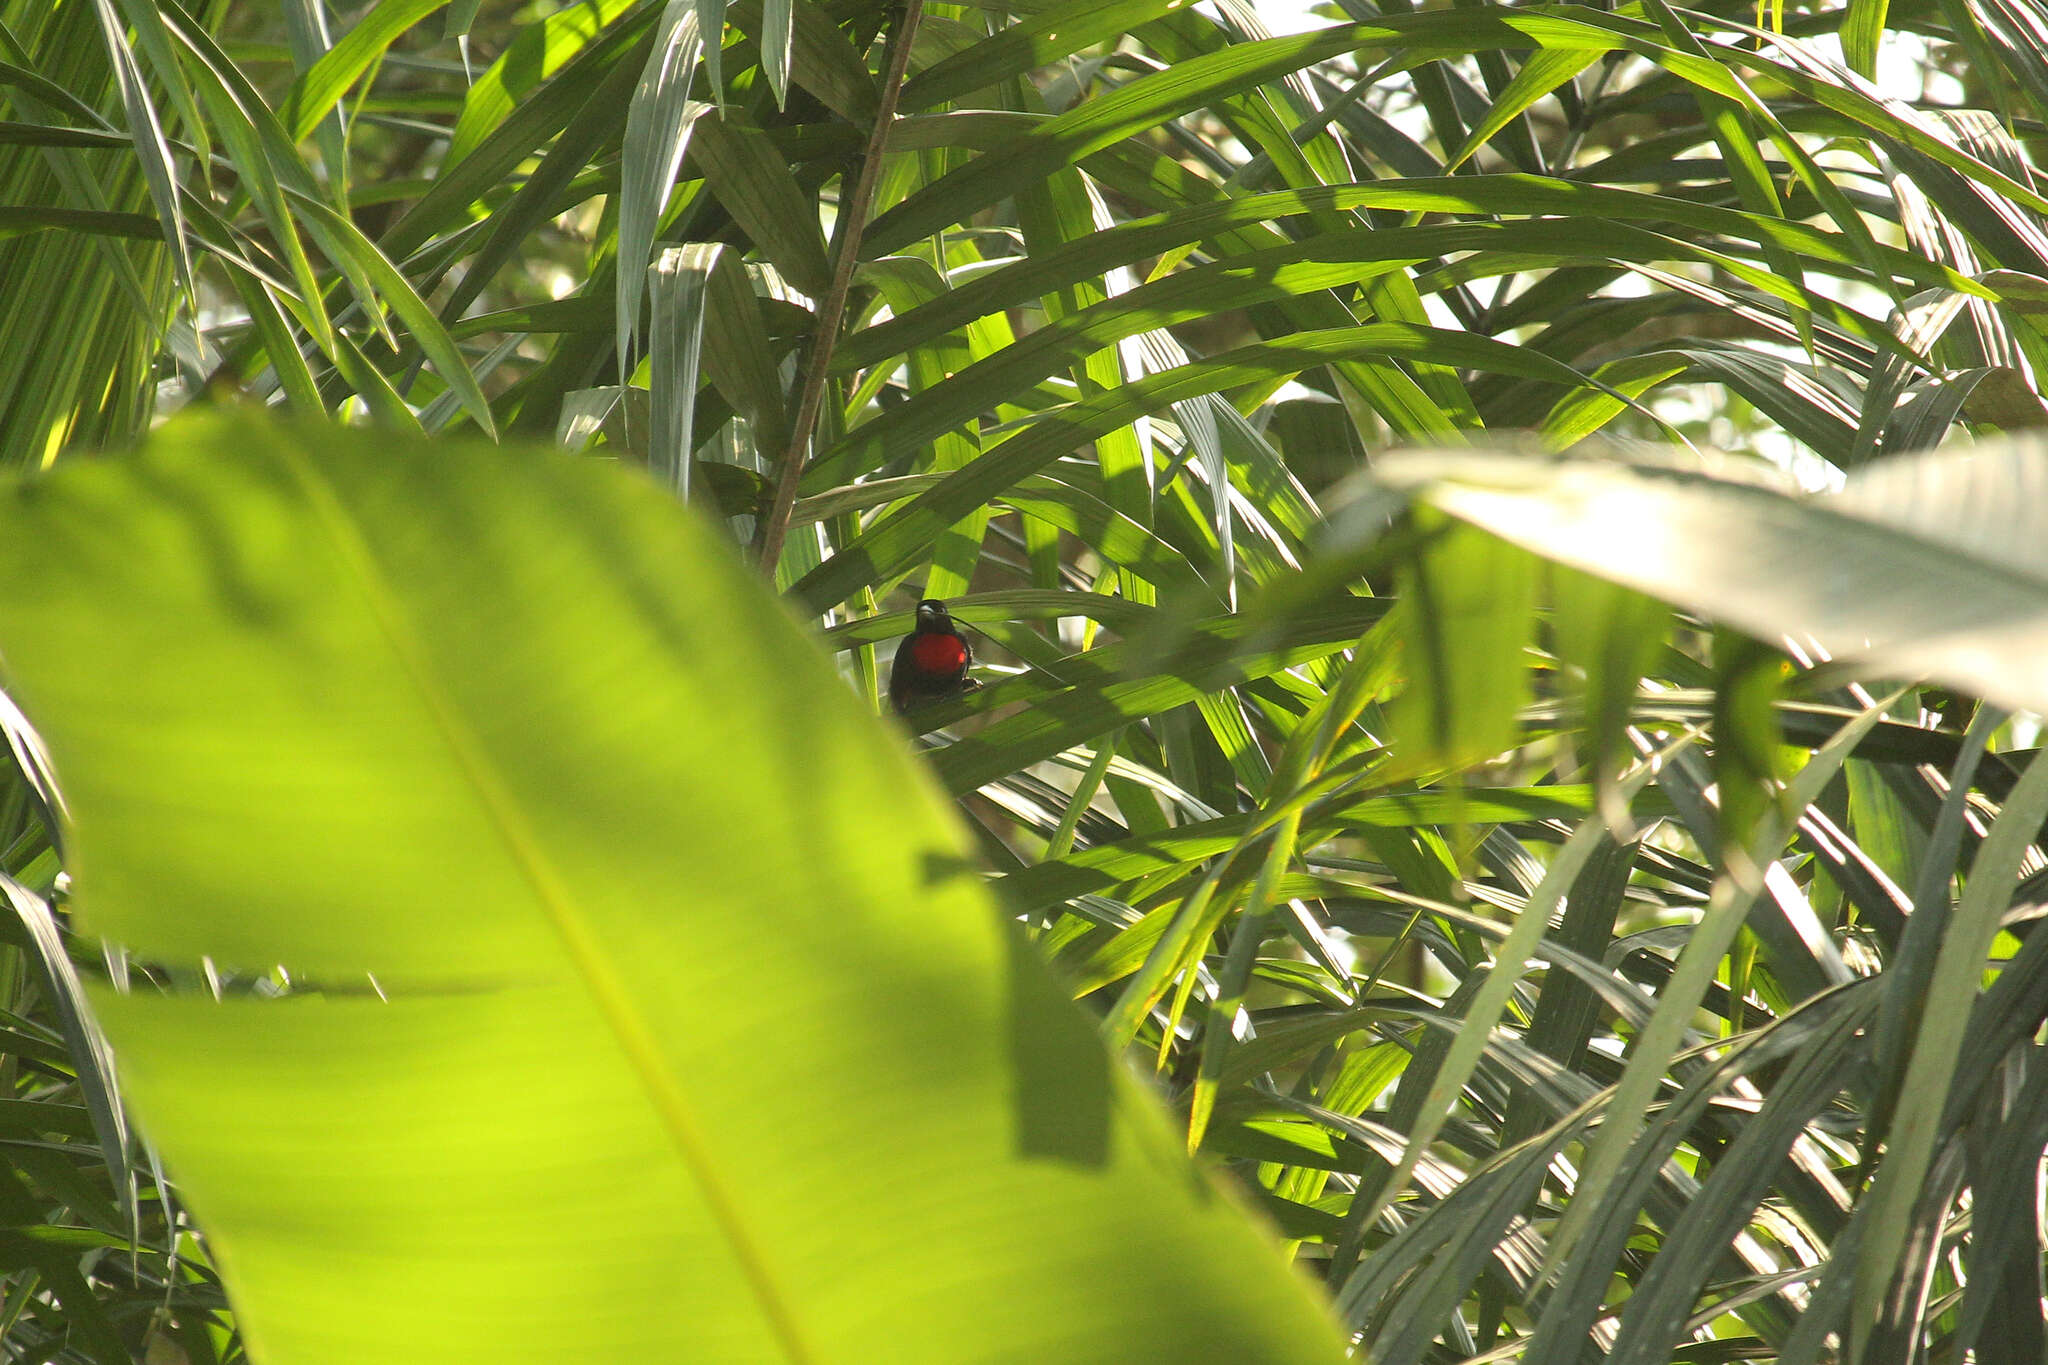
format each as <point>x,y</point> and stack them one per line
<point>585,948</point>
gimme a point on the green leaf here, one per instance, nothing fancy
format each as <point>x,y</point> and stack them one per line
<point>1654,1325</point>
<point>1608,637</point>
<point>540,50</point>
<point>1027,45</point>
<point>821,60</point>
<point>892,544</point>
<point>461,15</point>
<point>1927,565</point>
<point>676,345</point>
<point>1862,31</point>
<point>1467,607</point>
<point>1098,123</point>
<point>777,18</point>
<point>322,87</point>
<point>1541,74</point>
<point>1735,891</point>
<point>1489,1002</point>
<point>493,750</point>
<point>590,129</point>
<point>756,186</point>
<point>1106,866</point>
<point>84,1038</point>
<point>145,129</point>
<point>267,162</point>
<point>1748,678</point>
<point>139,226</point>
<point>342,241</point>
<point>1957,978</point>
<point>1088,693</point>
<point>658,123</point>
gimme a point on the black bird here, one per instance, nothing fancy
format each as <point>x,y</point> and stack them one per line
<point>931,662</point>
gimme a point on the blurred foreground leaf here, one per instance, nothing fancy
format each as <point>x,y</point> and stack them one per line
<point>1931,565</point>
<point>641,1003</point>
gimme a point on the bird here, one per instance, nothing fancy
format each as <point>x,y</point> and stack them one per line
<point>931,662</point>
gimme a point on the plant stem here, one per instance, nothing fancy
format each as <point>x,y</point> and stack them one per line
<point>853,216</point>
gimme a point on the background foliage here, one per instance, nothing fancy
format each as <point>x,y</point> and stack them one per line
<point>1512,868</point>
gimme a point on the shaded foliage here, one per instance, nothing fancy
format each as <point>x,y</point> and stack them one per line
<point>1567,975</point>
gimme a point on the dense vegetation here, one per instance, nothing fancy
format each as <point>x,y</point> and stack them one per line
<point>1580,891</point>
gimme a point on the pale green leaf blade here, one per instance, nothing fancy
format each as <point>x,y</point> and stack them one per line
<point>151,149</point>
<point>342,240</point>
<point>1862,31</point>
<point>1957,979</point>
<point>777,19</point>
<point>676,336</point>
<point>658,123</point>
<point>506,730</point>
<point>1927,565</point>
<point>540,50</point>
<point>1467,608</point>
<point>322,87</point>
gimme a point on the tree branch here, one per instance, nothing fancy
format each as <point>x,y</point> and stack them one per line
<point>853,217</point>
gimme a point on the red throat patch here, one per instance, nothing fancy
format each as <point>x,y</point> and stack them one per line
<point>938,655</point>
